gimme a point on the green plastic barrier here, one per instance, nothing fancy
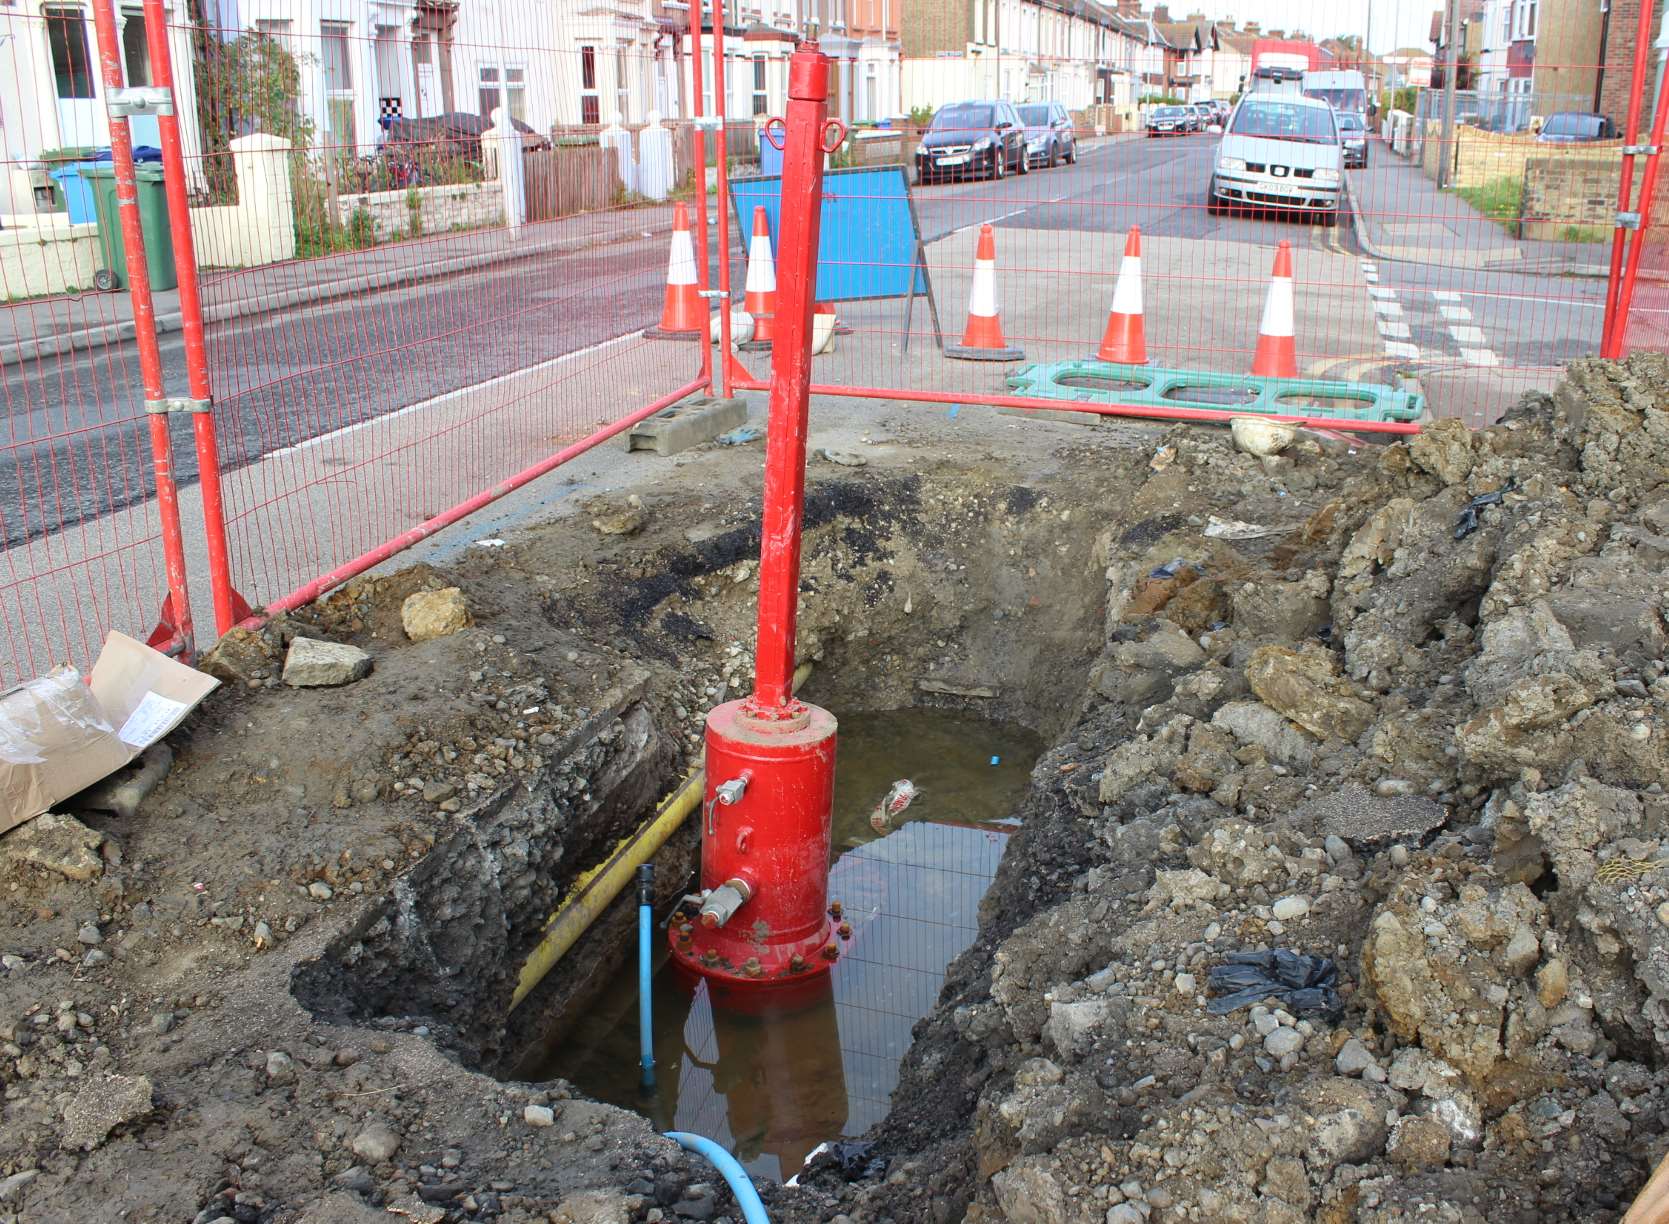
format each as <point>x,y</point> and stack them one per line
<point>1103,382</point>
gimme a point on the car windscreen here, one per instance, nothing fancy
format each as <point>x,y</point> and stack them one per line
<point>962,119</point>
<point>1034,116</point>
<point>1341,99</point>
<point>1585,127</point>
<point>1285,121</point>
<point>1348,122</point>
<point>1167,112</point>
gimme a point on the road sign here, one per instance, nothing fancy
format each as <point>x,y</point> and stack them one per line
<point>870,243</point>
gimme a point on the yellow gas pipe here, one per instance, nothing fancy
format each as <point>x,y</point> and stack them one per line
<point>594,889</point>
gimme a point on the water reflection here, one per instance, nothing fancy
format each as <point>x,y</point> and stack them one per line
<point>771,1074</point>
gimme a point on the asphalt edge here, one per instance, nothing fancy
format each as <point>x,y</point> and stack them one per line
<point>119,333</point>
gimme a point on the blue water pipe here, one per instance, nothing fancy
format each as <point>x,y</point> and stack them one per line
<point>645,1003</point>
<point>747,1198</point>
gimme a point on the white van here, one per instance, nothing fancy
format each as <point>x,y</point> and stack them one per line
<point>1280,151</point>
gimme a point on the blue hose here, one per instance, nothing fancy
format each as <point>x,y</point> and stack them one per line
<point>747,1198</point>
<point>645,1003</point>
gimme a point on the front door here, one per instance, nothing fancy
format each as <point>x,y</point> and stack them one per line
<point>79,119</point>
<point>428,77</point>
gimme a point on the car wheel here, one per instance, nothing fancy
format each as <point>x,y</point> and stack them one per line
<point>999,164</point>
<point>1072,154</point>
<point>1024,162</point>
<point>1213,206</point>
<point>1054,155</point>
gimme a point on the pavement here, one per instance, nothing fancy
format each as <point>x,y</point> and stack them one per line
<point>1399,214</point>
<point>50,326</point>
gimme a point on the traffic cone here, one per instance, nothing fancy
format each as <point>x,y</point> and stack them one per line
<point>982,339</point>
<point>1277,353</point>
<point>759,298</point>
<point>683,313</point>
<point>1125,340</point>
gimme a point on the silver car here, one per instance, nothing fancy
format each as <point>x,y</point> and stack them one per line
<point>1281,151</point>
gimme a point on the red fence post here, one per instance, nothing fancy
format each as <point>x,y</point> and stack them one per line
<point>1611,329</point>
<point>764,916</point>
<point>698,144</point>
<point>719,153</point>
<point>229,607</point>
<point>174,628</point>
<point>1618,331</point>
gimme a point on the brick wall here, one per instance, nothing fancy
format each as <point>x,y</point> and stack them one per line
<point>927,27</point>
<point>1481,157</point>
<point>1616,81</point>
<point>1571,190</point>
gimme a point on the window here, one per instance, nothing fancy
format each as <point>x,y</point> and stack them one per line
<point>277,30</point>
<point>591,106</point>
<point>761,99</point>
<point>389,82</point>
<point>136,56</point>
<point>337,62</point>
<point>66,35</point>
<point>503,85</point>
<point>622,87</point>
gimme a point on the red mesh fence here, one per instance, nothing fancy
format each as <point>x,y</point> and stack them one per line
<point>392,331</point>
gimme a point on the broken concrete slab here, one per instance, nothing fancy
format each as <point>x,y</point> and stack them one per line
<point>57,843</point>
<point>101,1106</point>
<point>426,615</point>
<point>314,663</point>
<point>688,424</point>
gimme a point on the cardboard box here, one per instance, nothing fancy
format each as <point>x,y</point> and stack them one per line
<point>59,734</point>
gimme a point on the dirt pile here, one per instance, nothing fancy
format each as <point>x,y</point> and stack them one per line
<point>1422,730</point>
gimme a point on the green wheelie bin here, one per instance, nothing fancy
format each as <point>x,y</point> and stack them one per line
<point>153,220</point>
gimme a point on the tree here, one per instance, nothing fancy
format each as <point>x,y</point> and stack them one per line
<point>249,84</point>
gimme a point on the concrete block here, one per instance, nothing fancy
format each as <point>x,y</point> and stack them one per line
<point>687,424</point>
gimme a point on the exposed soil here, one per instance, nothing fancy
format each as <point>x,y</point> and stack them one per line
<point>280,991</point>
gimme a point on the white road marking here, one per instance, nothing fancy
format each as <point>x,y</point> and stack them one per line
<point>1457,314</point>
<point>1390,330</point>
<point>1480,357</point>
<point>1469,335</point>
<point>1395,348</point>
<point>1382,293</point>
<point>1371,277</point>
<point>1445,296</point>
<point>1370,267</point>
<point>1392,309</point>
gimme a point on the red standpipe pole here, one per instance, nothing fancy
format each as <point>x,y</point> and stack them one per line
<point>177,615</point>
<point>785,447</point>
<point>698,146</point>
<point>724,363</point>
<point>764,917</point>
<point>229,608</point>
<point>1610,331</point>
<point>1637,248</point>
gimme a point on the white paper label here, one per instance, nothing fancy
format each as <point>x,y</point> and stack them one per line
<point>154,715</point>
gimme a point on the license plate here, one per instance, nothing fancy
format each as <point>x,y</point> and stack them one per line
<point>960,159</point>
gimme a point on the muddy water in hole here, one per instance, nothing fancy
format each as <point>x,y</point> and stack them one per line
<point>771,1088</point>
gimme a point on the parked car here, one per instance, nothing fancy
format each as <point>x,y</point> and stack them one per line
<point>1049,136</point>
<point>1205,114</point>
<point>1281,151</point>
<point>1223,109</point>
<point>1576,127</point>
<point>1170,121</point>
<point>969,138</point>
<point>1353,134</point>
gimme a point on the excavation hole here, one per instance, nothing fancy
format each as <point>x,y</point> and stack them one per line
<point>772,1084</point>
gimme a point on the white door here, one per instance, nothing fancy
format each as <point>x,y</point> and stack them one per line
<point>428,77</point>
<point>79,119</point>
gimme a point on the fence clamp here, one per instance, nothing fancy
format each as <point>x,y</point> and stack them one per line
<point>710,293</point>
<point>1647,150</point>
<point>1628,220</point>
<point>707,123</point>
<point>179,403</point>
<point>141,100</point>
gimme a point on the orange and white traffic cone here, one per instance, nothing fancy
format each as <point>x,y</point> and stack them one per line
<point>684,316</point>
<point>1125,340</point>
<point>1277,352</point>
<point>982,339</point>
<point>759,298</point>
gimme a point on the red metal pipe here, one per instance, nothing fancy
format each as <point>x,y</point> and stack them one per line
<point>724,363</point>
<point>790,385</point>
<point>308,592</point>
<point>144,329</point>
<point>228,607</point>
<point>1210,415</point>
<point>698,146</point>
<point>1610,331</point>
<point>1637,248</point>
